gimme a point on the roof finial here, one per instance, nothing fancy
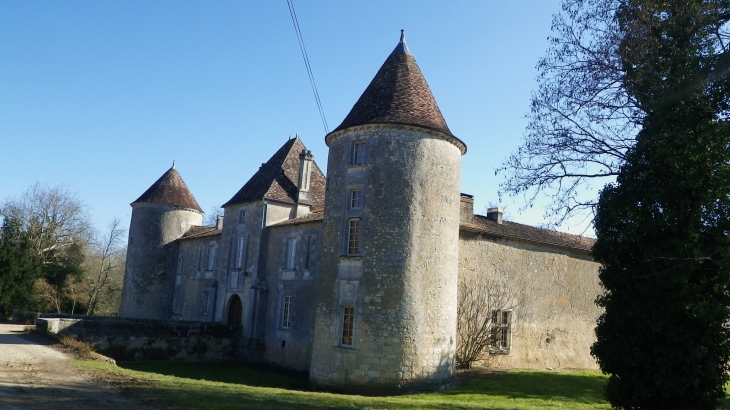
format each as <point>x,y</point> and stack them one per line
<point>173,164</point>
<point>402,48</point>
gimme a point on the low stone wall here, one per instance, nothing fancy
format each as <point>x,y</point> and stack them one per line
<point>137,339</point>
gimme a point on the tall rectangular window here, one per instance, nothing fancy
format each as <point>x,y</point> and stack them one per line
<point>174,300</point>
<point>241,216</point>
<point>348,325</point>
<point>179,265</point>
<point>355,199</point>
<point>353,237</point>
<point>285,312</point>
<point>309,249</point>
<point>357,156</point>
<point>200,257</point>
<point>211,256</point>
<point>205,303</point>
<point>501,331</point>
<point>239,252</point>
<point>291,252</point>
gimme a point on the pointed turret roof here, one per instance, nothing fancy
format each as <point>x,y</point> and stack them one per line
<point>398,94</point>
<point>170,189</point>
<point>278,179</point>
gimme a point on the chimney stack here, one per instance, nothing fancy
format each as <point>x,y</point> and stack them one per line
<point>495,214</point>
<point>219,222</point>
<point>466,210</point>
<point>305,173</point>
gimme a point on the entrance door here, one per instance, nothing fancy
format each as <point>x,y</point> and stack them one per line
<point>235,311</point>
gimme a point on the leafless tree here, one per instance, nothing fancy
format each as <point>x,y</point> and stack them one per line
<point>478,299</point>
<point>582,120</point>
<point>211,218</point>
<point>53,217</point>
<point>105,262</point>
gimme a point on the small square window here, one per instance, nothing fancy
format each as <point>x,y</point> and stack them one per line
<point>285,312</point>
<point>357,155</point>
<point>353,237</point>
<point>348,326</point>
<point>355,199</point>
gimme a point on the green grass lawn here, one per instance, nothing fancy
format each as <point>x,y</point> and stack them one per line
<point>233,386</point>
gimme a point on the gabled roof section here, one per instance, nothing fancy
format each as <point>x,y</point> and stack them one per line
<point>528,233</point>
<point>398,94</point>
<point>278,179</point>
<point>196,232</point>
<point>316,216</point>
<point>170,189</point>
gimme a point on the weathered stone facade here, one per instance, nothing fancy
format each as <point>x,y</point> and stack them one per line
<point>354,277</point>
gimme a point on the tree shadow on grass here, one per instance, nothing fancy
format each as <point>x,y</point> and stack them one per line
<point>585,387</point>
<point>249,375</point>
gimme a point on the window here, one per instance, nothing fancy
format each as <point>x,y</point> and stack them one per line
<point>309,247</point>
<point>355,199</point>
<point>179,265</point>
<point>174,301</point>
<point>211,256</point>
<point>348,324</point>
<point>241,216</point>
<point>285,312</point>
<point>205,303</point>
<point>239,252</point>
<point>200,257</point>
<point>353,237</point>
<point>291,251</point>
<point>501,331</point>
<point>357,156</point>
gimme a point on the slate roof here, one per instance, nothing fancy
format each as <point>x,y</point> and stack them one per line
<point>277,179</point>
<point>200,232</point>
<point>398,94</point>
<point>312,217</point>
<point>529,233</point>
<point>170,189</point>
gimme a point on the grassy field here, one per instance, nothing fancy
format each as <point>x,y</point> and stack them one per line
<point>233,386</point>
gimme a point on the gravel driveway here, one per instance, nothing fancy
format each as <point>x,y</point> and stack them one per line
<point>34,375</point>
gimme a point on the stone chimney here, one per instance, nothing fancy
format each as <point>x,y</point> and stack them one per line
<point>305,173</point>
<point>495,214</point>
<point>219,222</point>
<point>466,210</point>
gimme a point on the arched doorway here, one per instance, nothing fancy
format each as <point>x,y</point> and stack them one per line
<point>235,310</point>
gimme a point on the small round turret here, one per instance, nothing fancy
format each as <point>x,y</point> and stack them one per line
<point>159,217</point>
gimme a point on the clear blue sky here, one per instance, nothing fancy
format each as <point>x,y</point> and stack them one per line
<point>103,95</point>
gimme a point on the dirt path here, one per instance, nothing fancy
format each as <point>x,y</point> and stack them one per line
<point>34,375</point>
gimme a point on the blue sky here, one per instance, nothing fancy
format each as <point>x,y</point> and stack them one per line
<point>102,96</point>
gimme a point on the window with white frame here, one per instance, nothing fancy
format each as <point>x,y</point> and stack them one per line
<point>211,255</point>
<point>239,251</point>
<point>357,153</point>
<point>286,312</point>
<point>241,216</point>
<point>291,252</point>
<point>355,198</point>
<point>501,331</point>
<point>205,303</point>
<point>353,237</point>
<point>348,325</point>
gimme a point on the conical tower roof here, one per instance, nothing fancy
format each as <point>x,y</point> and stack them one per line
<point>170,189</point>
<point>398,94</point>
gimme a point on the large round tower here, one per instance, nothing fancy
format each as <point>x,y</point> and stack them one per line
<point>159,217</point>
<point>386,311</point>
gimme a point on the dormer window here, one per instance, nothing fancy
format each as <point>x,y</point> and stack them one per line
<point>357,154</point>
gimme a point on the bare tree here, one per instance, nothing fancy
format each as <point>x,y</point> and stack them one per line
<point>211,218</point>
<point>582,120</point>
<point>105,262</point>
<point>480,300</point>
<point>52,216</point>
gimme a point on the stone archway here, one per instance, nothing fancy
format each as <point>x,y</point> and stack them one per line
<point>235,310</point>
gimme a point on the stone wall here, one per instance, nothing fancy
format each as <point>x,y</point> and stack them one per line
<point>128,339</point>
<point>554,314</point>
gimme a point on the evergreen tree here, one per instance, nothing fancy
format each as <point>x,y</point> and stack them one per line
<point>664,227</point>
<point>17,269</point>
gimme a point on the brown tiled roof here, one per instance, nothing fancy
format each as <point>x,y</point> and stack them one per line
<point>313,217</point>
<point>200,232</point>
<point>277,179</point>
<point>398,94</point>
<point>170,189</point>
<point>529,233</point>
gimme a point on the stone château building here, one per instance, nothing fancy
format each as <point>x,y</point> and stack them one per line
<point>353,276</point>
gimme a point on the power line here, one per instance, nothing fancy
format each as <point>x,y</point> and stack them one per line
<point>306,63</point>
